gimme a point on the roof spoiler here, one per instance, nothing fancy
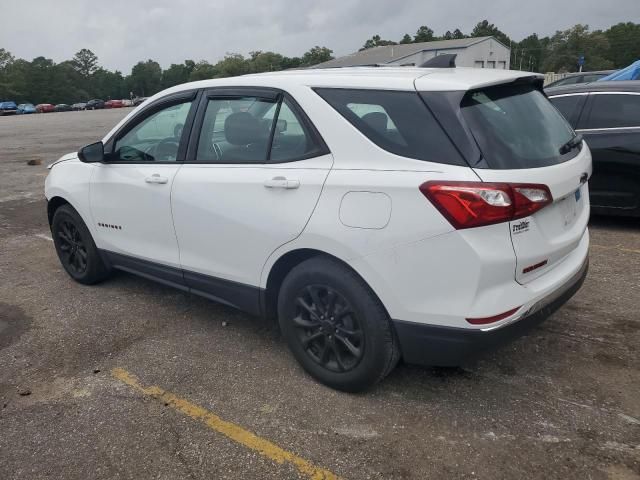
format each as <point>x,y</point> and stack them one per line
<point>448,60</point>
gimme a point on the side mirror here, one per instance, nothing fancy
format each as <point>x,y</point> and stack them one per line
<point>93,153</point>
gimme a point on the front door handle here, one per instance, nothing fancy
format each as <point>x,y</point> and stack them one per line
<point>155,178</point>
<point>282,182</point>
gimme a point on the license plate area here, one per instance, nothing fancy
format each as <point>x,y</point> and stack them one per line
<point>568,207</point>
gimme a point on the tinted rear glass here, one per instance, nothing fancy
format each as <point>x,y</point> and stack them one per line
<point>516,126</point>
<point>614,111</point>
<point>398,122</point>
<point>569,107</point>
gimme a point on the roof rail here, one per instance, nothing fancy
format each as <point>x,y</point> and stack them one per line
<point>448,60</point>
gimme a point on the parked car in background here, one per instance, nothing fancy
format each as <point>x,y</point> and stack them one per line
<point>375,213</point>
<point>607,114</point>
<point>79,106</point>
<point>127,103</point>
<point>45,108</point>
<point>62,107</point>
<point>8,108</point>
<point>25,108</point>
<point>580,77</point>
<point>113,104</point>
<point>94,104</point>
<point>138,100</point>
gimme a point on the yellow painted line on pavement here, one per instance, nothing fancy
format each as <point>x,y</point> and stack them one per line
<point>228,429</point>
<point>621,249</point>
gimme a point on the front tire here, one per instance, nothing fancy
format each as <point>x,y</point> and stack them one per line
<point>75,247</point>
<point>335,326</point>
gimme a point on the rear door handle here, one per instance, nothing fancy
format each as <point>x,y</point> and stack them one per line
<point>156,178</point>
<point>282,182</point>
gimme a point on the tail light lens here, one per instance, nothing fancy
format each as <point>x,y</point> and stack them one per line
<point>474,204</point>
<point>495,318</point>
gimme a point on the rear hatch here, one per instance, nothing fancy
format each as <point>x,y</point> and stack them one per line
<point>524,139</point>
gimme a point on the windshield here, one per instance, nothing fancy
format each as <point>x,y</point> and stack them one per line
<point>516,126</point>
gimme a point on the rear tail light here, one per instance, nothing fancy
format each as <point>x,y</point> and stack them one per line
<point>474,204</point>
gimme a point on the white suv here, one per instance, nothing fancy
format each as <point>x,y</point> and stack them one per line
<point>377,213</point>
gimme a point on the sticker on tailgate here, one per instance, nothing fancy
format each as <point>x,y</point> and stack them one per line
<point>520,227</point>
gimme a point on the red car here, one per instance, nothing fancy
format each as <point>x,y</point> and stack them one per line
<point>45,108</point>
<point>113,104</point>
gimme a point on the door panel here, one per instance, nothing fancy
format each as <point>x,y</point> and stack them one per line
<point>130,194</point>
<point>615,183</point>
<point>230,218</point>
<point>131,206</point>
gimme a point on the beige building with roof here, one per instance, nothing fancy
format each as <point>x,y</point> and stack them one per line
<point>479,52</point>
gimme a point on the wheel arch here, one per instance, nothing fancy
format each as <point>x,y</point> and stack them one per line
<point>53,204</point>
<point>284,264</point>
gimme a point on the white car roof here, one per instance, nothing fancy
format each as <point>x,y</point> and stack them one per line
<point>387,78</point>
<point>380,78</point>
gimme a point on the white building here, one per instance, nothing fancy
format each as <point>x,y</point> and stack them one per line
<point>479,52</point>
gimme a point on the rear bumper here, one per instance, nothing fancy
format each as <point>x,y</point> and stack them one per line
<point>447,346</point>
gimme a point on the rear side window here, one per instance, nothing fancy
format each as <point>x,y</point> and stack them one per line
<point>515,126</point>
<point>569,106</point>
<point>614,111</point>
<point>398,122</point>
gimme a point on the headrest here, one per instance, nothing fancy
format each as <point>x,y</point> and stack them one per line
<point>242,128</point>
<point>377,121</point>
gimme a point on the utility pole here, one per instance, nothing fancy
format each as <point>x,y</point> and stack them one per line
<point>521,55</point>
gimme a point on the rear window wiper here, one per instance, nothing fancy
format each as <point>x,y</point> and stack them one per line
<point>571,144</point>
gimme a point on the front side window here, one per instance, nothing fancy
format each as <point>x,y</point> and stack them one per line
<point>254,130</point>
<point>614,111</point>
<point>516,126</point>
<point>156,138</point>
<point>396,121</point>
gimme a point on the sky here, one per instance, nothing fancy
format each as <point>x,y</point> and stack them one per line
<point>122,32</point>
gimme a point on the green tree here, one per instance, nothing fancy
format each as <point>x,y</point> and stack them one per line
<point>5,58</point>
<point>530,52</point>
<point>291,62</point>
<point>406,39</point>
<point>14,78</point>
<point>486,29</point>
<point>316,55</point>
<point>232,65</point>
<point>565,47</point>
<point>107,84</point>
<point>424,34</point>
<point>265,61</point>
<point>177,73</point>
<point>145,78</point>
<point>624,44</point>
<point>458,34</point>
<point>376,41</point>
<point>203,70</point>
<point>85,62</point>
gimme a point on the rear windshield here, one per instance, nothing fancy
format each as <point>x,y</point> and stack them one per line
<point>516,127</point>
<point>396,121</point>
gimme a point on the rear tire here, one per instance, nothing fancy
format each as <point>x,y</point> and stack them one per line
<point>75,247</point>
<point>335,326</point>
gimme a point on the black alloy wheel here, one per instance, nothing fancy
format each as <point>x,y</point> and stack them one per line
<point>335,325</point>
<point>72,247</point>
<point>328,328</point>
<point>75,247</point>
